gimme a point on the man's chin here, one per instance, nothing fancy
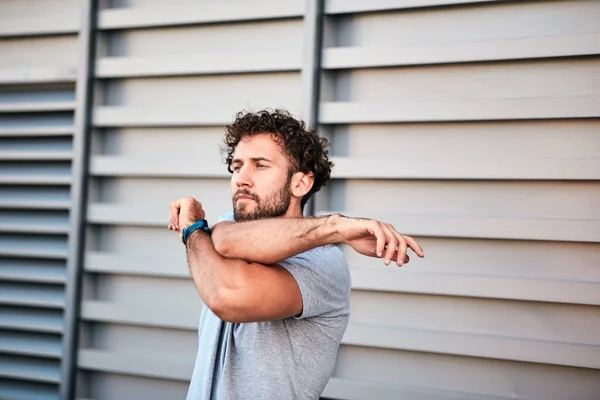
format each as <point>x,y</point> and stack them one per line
<point>243,214</point>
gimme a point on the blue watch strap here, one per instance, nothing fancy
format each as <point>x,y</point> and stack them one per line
<point>186,232</point>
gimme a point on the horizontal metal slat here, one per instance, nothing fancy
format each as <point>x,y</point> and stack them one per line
<point>462,52</point>
<point>120,215</point>
<point>427,225</point>
<point>33,204</point>
<point>474,345</point>
<point>458,343</point>
<point>19,390</point>
<point>479,286</point>
<point>99,360</point>
<point>30,345</point>
<point>26,295</point>
<point>93,310</point>
<point>10,250</point>
<point>358,6</point>
<point>34,222</point>
<point>12,155</point>
<point>29,369</point>
<point>31,272</point>
<point>33,253</point>
<point>174,65</point>
<point>547,168</point>
<point>45,106</point>
<point>130,117</point>
<point>353,389</point>
<point>38,75</point>
<point>119,166</point>
<point>17,227</point>
<point>36,131</point>
<point>465,226</point>
<point>35,179</point>
<point>207,13</point>
<point>475,110</point>
<point>572,292</point>
<point>104,262</point>
<point>31,320</point>
<point>49,24</point>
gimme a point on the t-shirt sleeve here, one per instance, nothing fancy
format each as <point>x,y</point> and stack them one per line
<point>324,281</point>
<point>226,217</point>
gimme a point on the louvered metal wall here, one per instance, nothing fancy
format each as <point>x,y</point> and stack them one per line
<point>40,174</point>
<point>472,125</point>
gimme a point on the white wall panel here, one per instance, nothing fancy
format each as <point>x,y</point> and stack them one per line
<point>246,37</point>
<point>483,377</point>
<point>38,51</point>
<point>456,141</point>
<point>568,261</point>
<point>113,386</point>
<point>535,79</point>
<point>504,20</point>
<point>236,92</point>
<point>476,199</point>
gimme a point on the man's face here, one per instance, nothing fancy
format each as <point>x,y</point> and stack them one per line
<point>260,183</point>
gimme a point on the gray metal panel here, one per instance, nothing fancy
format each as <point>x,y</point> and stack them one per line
<point>37,100</point>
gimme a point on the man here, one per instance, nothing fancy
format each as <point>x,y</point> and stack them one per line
<point>275,285</point>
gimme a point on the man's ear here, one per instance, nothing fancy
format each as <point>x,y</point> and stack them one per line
<point>302,183</point>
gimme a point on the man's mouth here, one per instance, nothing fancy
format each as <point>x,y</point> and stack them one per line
<point>244,197</point>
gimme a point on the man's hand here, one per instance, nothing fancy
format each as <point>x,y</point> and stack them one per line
<point>376,239</point>
<point>184,212</point>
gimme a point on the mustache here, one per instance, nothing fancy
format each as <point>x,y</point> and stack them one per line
<point>243,192</point>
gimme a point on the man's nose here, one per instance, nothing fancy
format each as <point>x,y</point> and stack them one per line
<point>244,177</point>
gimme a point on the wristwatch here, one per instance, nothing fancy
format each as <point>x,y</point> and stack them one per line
<point>186,232</point>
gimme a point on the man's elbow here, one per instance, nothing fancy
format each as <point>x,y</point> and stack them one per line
<point>221,243</point>
<point>225,306</point>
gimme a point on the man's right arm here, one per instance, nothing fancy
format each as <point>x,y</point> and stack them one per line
<point>270,241</point>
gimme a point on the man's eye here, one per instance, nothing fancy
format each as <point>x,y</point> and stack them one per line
<point>261,166</point>
<point>236,168</point>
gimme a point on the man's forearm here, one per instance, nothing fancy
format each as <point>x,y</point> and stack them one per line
<point>270,241</point>
<point>212,273</point>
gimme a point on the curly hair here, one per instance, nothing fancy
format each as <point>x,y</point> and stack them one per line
<point>304,148</point>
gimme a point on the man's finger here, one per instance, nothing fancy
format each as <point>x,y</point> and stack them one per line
<point>412,243</point>
<point>376,230</point>
<point>174,208</point>
<point>391,243</point>
<point>406,258</point>
<point>402,246</point>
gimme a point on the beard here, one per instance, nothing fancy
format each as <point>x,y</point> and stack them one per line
<point>275,205</point>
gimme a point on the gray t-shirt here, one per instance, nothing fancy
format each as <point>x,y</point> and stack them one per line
<point>291,358</point>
